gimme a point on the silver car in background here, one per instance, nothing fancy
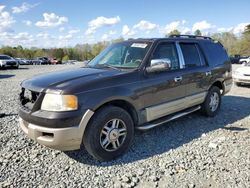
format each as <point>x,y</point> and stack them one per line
<point>7,61</point>
<point>242,74</point>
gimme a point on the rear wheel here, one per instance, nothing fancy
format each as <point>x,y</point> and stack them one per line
<point>212,103</point>
<point>109,133</point>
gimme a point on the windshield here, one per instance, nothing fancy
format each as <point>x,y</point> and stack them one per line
<point>125,55</point>
<point>5,57</point>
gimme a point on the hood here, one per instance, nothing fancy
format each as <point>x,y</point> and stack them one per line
<point>57,81</point>
<point>244,70</point>
<point>8,60</point>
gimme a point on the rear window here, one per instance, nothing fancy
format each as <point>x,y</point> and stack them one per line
<point>5,57</point>
<point>215,53</point>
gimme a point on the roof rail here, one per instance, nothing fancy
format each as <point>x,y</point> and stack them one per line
<point>190,36</point>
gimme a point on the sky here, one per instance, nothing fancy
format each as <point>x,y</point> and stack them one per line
<point>64,23</point>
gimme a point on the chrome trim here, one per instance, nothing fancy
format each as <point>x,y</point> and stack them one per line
<point>150,126</point>
<point>167,108</point>
<point>180,55</point>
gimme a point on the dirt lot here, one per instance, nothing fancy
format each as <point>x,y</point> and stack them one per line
<point>193,151</point>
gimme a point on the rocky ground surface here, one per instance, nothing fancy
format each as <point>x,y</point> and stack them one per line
<point>193,151</point>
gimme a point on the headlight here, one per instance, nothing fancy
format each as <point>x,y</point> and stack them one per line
<point>59,103</point>
<point>3,62</point>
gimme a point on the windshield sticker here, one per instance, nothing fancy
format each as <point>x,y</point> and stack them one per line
<point>139,45</point>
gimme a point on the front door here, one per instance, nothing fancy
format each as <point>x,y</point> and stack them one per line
<point>164,91</point>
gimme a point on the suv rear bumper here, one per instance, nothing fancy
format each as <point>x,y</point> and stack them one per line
<point>65,139</point>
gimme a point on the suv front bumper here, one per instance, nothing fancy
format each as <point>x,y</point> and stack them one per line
<point>69,138</point>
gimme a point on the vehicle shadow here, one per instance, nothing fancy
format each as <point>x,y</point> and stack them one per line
<point>4,76</point>
<point>23,68</point>
<point>176,133</point>
<point>244,86</point>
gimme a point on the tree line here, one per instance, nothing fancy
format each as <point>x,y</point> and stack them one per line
<point>239,45</point>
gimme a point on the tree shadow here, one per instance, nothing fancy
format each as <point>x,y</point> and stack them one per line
<point>175,134</point>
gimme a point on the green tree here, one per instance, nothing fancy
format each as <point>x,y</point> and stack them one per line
<point>65,58</point>
<point>198,33</point>
<point>229,41</point>
<point>174,32</point>
<point>247,30</point>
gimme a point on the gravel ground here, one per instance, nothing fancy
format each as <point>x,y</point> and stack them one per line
<point>193,151</point>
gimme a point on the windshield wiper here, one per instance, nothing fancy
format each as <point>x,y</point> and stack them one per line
<point>108,66</point>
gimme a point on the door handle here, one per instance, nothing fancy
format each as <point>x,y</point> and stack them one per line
<point>178,78</point>
<point>208,73</point>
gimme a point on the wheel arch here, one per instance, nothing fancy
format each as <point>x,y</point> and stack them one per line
<point>124,104</point>
<point>218,84</point>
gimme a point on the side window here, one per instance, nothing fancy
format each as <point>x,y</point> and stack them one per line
<point>191,55</point>
<point>167,51</point>
<point>217,55</point>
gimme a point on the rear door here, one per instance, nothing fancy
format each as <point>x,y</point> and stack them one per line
<point>197,72</point>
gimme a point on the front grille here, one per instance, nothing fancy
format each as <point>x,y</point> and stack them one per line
<point>247,81</point>
<point>28,99</point>
<point>11,63</point>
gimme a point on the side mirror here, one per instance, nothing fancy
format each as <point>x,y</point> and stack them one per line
<point>159,65</point>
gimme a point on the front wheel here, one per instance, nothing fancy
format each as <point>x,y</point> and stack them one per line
<point>109,133</point>
<point>212,103</point>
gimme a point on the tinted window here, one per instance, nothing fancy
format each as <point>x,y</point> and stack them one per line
<point>191,55</point>
<point>167,51</point>
<point>216,54</point>
<point>5,57</point>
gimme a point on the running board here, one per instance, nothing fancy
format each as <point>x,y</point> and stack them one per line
<point>178,115</point>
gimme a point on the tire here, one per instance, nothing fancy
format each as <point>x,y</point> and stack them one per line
<point>100,131</point>
<point>208,109</point>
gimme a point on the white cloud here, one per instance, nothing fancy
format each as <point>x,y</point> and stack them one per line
<point>186,30</point>
<point>108,36</point>
<point>23,8</point>
<point>126,31</point>
<point>14,39</point>
<point>27,22</point>
<point>6,20</point>
<point>145,25</point>
<point>61,29</point>
<point>51,20</point>
<point>202,26</point>
<point>74,31</point>
<point>239,28</point>
<point>105,36</point>
<point>172,26</point>
<point>99,22</point>
<point>111,32</point>
<point>179,25</point>
<point>43,35</point>
<point>65,37</point>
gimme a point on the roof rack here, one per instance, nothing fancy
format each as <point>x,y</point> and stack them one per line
<point>190,37</point>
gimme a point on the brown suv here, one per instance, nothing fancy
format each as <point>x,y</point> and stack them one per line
<point>135,84</point>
